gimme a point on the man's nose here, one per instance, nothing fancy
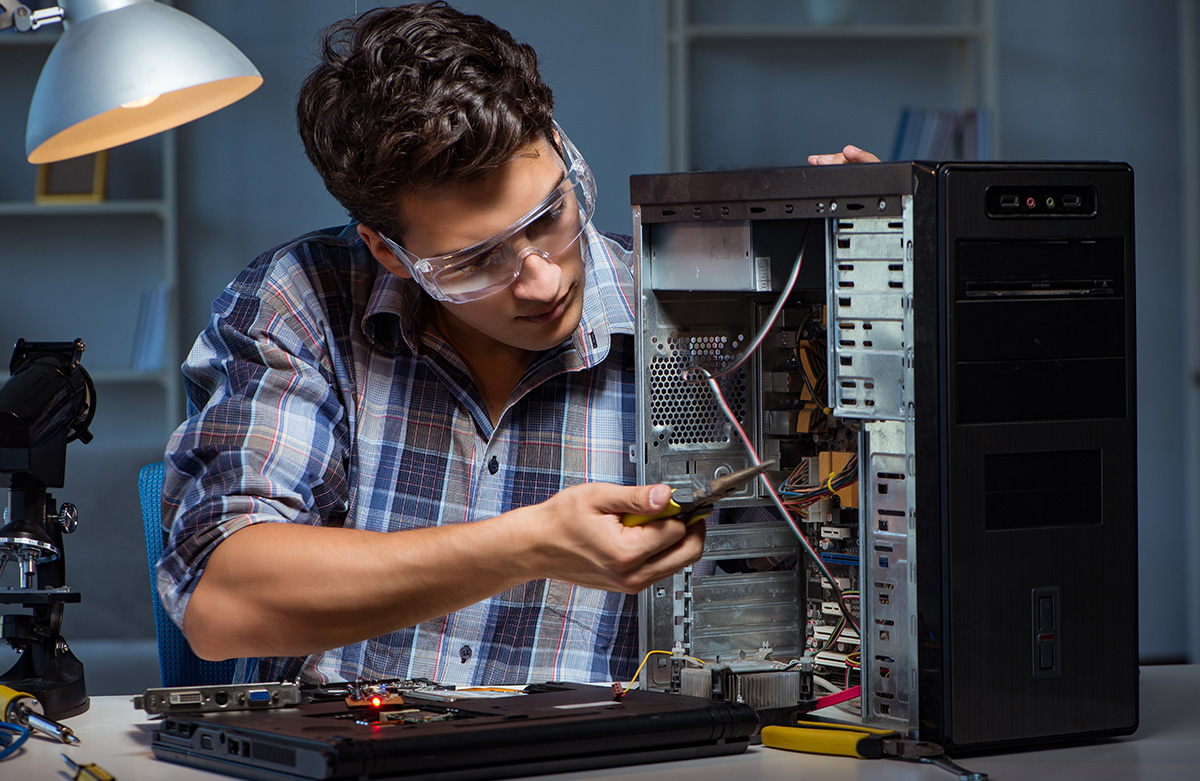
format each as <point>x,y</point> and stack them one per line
<point>539,276</point>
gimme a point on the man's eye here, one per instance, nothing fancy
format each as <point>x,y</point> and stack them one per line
<point>470,266</point>
<point>546,221</point>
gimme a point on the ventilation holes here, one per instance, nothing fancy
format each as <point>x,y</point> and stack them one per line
<point>686,410</point>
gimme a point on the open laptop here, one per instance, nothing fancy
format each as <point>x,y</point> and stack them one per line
<point>548,728</point>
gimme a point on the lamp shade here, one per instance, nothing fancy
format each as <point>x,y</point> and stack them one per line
<point>127,69</point>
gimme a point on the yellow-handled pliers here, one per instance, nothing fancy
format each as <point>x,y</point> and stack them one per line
<point>823,736</point>
<point>690,505</point>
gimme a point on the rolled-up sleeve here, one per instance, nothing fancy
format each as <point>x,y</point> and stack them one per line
<point>267,438</point>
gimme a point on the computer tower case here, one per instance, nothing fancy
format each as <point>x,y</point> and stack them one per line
<point>959,335</point>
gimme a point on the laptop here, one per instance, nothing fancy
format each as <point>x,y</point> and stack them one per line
<point>546,728</point>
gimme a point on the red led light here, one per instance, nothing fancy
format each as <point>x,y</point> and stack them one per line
<point>376,702</point>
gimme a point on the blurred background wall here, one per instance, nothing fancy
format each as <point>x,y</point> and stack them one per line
<point>1074,79</point>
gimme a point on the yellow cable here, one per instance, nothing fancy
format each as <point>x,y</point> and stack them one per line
<point>645,659</point>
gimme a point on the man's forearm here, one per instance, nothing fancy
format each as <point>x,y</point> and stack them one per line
<point>281,589</point>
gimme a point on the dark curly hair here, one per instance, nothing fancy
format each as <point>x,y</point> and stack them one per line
<point>410,97</point>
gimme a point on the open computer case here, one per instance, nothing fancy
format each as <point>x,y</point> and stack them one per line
<point>960,336</point>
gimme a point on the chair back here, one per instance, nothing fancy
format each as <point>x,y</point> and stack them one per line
<point>177,664</point>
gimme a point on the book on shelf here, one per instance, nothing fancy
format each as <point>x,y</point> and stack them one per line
<point>150,339</point>
<point>934,134</point>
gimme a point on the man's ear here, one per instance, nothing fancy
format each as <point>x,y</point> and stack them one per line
<point>382,253</point>
<point>556,143</point>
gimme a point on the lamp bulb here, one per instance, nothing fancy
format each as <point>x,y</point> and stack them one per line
<point>140,102</point>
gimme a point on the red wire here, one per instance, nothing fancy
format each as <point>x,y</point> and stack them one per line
<point>842,696</point>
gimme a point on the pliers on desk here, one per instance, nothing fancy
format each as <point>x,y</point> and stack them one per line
<point>856,740</point>
<point>690,505</point>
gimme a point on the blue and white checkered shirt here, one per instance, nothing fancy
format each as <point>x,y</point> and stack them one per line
<point>319,397</point>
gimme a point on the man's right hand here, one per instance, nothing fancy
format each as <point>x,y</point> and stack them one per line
<point>579,538</point>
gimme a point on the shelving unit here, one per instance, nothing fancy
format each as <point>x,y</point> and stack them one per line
<point>79,271</point>
<point>830,84</point>
<point>55,287</point>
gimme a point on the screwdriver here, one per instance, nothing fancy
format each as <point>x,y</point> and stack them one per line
<point>88,772</point>
<point>23,709</point>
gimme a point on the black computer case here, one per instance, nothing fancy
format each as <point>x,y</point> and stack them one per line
<point>977,324</point>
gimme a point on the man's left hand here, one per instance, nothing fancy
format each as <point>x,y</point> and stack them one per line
<point>849,154</point>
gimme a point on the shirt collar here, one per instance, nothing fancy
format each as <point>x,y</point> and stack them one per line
<point>397,309</point>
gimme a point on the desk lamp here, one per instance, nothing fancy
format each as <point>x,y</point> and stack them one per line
<point>122,70</point>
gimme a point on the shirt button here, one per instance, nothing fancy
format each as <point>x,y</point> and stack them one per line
<point>493,466</point>
<point>464,653</point>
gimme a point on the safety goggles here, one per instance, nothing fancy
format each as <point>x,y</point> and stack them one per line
<point>486,268</point>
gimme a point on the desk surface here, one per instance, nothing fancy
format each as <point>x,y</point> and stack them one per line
<point>1166,746</point>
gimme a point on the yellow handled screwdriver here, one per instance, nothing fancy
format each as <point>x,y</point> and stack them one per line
<point>23,709</point>
<point>691,506</point>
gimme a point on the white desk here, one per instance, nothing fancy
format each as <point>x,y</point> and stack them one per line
<point>1166,746</point>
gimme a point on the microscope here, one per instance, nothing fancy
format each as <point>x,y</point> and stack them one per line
<point>48,401</point>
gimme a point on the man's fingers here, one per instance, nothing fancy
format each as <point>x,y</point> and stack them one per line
<point>658,497</point>
<point>672,558</point>
<point>648,503</point>
<point>852,154</point>
<point>825,159</point>
<point>849,154</point>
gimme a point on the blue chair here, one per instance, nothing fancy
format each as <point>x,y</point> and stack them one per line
<point>176,662</point>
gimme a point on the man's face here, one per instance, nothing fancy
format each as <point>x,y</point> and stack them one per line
<point>544,303</point>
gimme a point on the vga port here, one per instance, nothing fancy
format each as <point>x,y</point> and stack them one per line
<point>258,696</point>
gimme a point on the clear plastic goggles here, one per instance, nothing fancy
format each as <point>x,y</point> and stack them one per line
<point>486,268</point>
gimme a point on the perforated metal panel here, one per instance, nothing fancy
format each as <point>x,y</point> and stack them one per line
<point>870,310</point>
<point>682,410</point>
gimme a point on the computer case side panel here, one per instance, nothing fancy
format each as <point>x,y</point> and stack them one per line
<point>930,615</point>
<point>1037,630</point>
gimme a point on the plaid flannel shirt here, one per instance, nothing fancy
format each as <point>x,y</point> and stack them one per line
<point>318,397</point>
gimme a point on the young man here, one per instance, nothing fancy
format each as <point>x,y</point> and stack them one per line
<point>409,448</point>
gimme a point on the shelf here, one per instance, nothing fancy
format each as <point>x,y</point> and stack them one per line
<point>816,87</point>
<point>30,209</point>
<point>916,33</point>
<point>114,376</point>
<point>126,376</point>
